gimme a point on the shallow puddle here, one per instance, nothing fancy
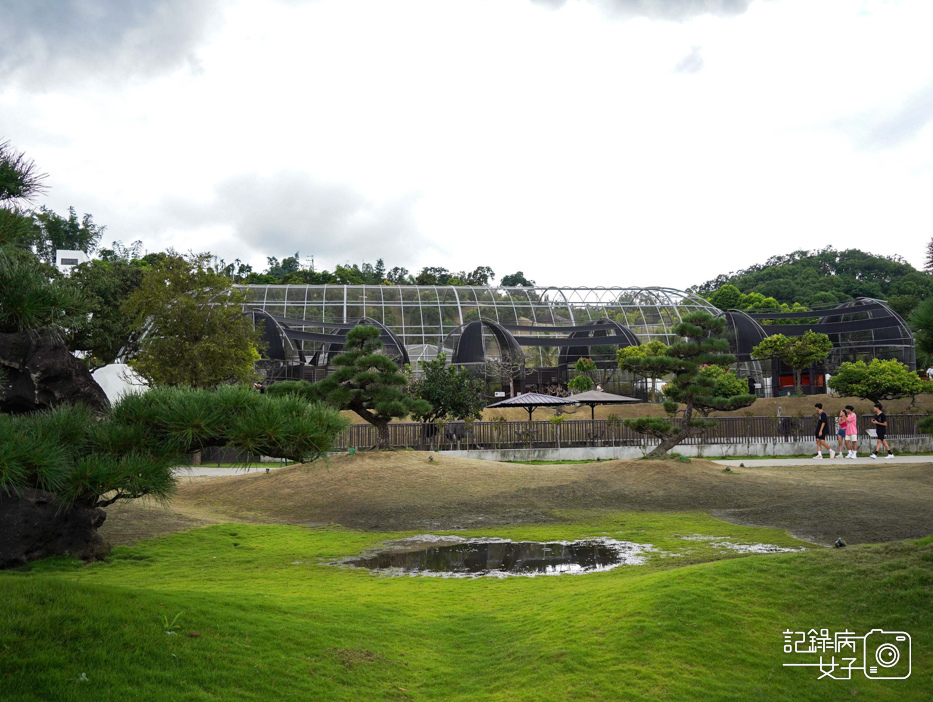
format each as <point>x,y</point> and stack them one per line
<point>721,543</point>
<point>455,557</point>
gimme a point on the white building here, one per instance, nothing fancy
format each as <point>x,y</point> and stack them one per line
<point>65,260</point>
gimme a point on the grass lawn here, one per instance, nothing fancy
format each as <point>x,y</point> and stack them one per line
<point>252,612</point>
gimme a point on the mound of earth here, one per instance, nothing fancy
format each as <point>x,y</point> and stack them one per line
<point>408,490</point>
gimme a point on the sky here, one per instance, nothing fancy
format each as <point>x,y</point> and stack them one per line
<point>583,142</point>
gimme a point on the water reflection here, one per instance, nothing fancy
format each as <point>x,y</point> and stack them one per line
<point>498,557</point>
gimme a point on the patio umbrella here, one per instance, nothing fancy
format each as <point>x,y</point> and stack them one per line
<point>531,401</point>
<point>598,397</point>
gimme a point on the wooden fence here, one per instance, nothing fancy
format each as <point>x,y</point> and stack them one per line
<point>599,432</point>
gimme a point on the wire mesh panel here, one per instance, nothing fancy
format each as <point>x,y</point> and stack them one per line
<point>423,316</point>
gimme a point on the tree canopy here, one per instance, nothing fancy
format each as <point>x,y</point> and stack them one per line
<point>130,452</point>
<point>825,277</point>
<point>648,360</point>
<point>32,296</point>
<point>798,352</point>
<point>450,392</point>
<point>876,381</point>
<point>365,381</point>
<point>107,333</point>
<point>196,334</point>
<point>291,271</point>
<point>921,321</point>
<point>583,381</point>
<point>702,345</point>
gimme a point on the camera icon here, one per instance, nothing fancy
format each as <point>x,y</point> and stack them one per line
<point>887,655</point>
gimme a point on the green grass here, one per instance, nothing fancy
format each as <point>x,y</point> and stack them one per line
<point>258,615</point>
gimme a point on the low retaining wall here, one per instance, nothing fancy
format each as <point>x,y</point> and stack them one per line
<point>919,444</point>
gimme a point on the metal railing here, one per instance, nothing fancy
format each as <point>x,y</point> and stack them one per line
<point>598,432</point>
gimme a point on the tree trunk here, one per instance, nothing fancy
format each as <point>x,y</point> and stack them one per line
<point>671,441</point>
<point>798,381</point>
<point>383,430</point>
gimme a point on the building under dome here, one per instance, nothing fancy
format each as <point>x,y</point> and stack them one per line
<point>537,334</point>
<point>547,328</point>
<point>860,330</point>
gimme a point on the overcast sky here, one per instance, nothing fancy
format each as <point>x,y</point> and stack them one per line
<point>584,142</point>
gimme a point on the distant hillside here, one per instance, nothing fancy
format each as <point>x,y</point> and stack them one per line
<point>819,278</point>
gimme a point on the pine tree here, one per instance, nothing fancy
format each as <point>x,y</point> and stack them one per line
<point>928,264</point>
<point>703,345</point>
<point>369,383</point>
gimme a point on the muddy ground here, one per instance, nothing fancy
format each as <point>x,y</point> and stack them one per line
<point>406,490</point>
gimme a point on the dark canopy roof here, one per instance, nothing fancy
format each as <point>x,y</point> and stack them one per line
<point>598,397</point>
<point>531,401</point>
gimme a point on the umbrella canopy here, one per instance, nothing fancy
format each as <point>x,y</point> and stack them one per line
<point>598,397</point>
<point>532,400</point>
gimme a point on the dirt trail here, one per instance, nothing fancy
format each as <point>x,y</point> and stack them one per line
<point>407,490</point>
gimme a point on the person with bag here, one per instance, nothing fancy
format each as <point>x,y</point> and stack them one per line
<point>852,432</point>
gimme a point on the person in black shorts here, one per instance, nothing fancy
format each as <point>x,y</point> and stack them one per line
<point>880,420</point>
<point>822,429</point>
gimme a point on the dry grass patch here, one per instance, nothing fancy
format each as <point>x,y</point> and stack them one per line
<point>405,490</point>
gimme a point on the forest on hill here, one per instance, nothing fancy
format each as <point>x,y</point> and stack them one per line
<point>821,278</point>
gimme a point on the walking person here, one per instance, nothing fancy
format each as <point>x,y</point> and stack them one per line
<point>842,422</point>
<point>880,420</point>
<point>822,430</point>
<point>852,432</point>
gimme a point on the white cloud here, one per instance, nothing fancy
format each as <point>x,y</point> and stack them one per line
<point>578,145</point>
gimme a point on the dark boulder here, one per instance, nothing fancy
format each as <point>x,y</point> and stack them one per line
<point>33,525</point>
<point>40,373</point>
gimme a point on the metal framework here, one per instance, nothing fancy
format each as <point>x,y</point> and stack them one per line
<point>543,320</point>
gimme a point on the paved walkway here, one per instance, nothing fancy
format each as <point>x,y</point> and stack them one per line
<point>193,471</point>
<point>790,461</point>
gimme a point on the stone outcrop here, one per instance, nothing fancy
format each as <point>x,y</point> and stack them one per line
<point>40,373</point>
<point>33,525</point>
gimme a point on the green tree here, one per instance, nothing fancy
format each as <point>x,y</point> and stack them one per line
<point>20,183</point>
<point>646,360</point>
<point>702,345</point>
<point>826,277</point>
<point>876,381</point>
<point>369,383</point>
<point>449,391</point>
<point>726,298</point>
<point>583,381</point>
<point>54,232</point>
<point>83,460</point>
<point>195,332</point>
<point>798,352</point>
<point>928,263</point>
<point>33,297</point>
<point>921,321</point>
<point>516,280</point>
<point>107,333</point>
<point>20,180</point>
<point>722,380</point>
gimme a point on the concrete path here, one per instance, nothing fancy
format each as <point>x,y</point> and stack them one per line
<point>196,471</point>
<point>862,458</point>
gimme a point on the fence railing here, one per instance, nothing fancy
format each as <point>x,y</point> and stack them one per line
<point>598,432</point>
